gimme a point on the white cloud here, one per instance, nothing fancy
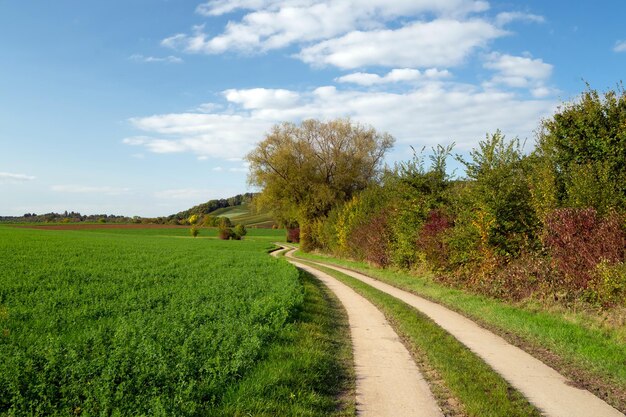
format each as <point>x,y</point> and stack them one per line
<point>151,59</point>
<point>279,23</point>
<point>10,177</point>
<point>441,42</point>
<point>505,18</point>
<point>520,72</point>
<point>216,135</point>
<point>398,75</point>
<point>82,189</point>
<point>427,114</point>
<point>256,98</point>
<point>620,46</point>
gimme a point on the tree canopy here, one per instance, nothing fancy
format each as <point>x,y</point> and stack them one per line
<point>304,170</point>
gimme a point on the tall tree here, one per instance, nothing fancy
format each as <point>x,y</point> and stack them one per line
<point>304,170</point>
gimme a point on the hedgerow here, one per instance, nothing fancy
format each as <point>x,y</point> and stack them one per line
<point>549,223</point>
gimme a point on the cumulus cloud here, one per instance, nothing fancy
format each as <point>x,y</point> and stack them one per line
<point>262,97</point>
<point>398,75</point>
<point>383,7</point>
<point>505,18</point>
<point>620,46</point>
<point>83,189</point>
<point>520,72</point>
<point>151,59</point>
<point>423,115</point>
<point>277,24</point>
<point>441,42</point>
<point>11,177</point>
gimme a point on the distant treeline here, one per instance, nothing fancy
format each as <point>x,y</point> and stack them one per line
<point>180,218</point>
<point>67,217</point>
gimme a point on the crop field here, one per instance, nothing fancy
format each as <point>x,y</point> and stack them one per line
<point>134,322</point>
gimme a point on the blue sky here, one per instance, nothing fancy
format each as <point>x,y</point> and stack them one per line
<point>146,107</point>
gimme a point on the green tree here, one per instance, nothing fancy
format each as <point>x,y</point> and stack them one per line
<point>304,170</point>
<point>500,194</point>
<point>584,144</point>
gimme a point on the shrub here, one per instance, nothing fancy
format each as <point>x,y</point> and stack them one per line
<point>500,189</point>
<point>578,240</point>
<point>225,233</point>
<point>293,235</point>
<point>431,238</point>
<point>194,231</point>
<point>608,285</point>
<point>240,231</point>
<point>371,240</point>
<point>224,222</point>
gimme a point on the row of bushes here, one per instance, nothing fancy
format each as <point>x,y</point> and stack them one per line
<point>546,224</point>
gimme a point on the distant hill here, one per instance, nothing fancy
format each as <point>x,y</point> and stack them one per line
<point>238,209</point>
<point>212,205</point>
<point>243,214</point>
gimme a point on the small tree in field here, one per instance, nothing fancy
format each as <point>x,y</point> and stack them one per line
<point>194,231</point>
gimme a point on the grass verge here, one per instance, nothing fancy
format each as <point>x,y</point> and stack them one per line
<point>593,356</point>
<point>479,390</point>
<point>308,370</point>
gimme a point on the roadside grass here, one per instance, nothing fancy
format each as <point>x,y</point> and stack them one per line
<point>131,324</point>
<point>592,355</point>
<point>469,380</point>
<point>308,369</point>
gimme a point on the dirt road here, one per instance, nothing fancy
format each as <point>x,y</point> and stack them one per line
<point>388,384</point>
<point>544,387</point>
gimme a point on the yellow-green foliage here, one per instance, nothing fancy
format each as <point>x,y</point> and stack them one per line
<point>345,223</point>
<point>609,284</point>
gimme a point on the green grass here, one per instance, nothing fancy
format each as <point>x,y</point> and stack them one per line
<point>127,323</point>
<point>593,355</point>
<point>481,391</point>
<point>268,235</point>
<point>309,369</point>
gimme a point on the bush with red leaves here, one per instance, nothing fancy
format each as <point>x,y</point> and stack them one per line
<point>430,240</point>
<point>224,233</point>
<point>293,235</point>
<point>578,240</point>
<point>372,240</point>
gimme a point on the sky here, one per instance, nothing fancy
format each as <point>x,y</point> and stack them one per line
<point>148,107</point>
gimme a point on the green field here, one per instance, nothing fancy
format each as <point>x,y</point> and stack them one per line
<point>131,322</point>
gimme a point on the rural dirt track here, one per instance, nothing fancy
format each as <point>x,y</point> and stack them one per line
<point>544,387</point>
<point>388,383</point>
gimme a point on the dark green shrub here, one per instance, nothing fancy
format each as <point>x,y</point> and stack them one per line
<point>239,232</point>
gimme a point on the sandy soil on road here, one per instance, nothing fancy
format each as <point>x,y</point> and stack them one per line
<point>544,387</point>
<point>389,384</point>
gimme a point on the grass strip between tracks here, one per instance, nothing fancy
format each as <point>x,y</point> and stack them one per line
<point>480,390</point>
<point>591,355</point>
